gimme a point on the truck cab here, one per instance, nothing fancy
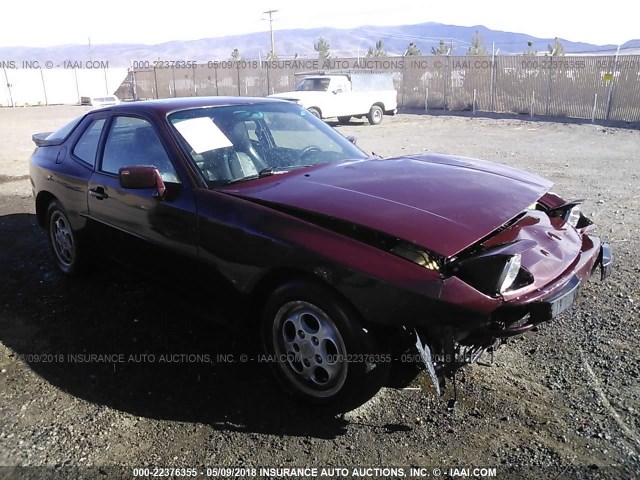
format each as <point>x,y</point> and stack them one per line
<point>345,95</point>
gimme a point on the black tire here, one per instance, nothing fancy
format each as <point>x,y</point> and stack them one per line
<point>346,119</point>
<point>375,115</point>
<point>315,112</point>
<point>318,348</point>
<point>67,246</point>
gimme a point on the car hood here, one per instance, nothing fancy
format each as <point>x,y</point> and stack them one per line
<point>300,96</point>
<point>440,202</point>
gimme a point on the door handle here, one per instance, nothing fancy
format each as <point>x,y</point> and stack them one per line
<point>98,192</point>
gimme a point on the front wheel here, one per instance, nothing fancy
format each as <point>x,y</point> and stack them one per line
<point>318,348</point>
<point>375,115</point>
<point>66,244</point>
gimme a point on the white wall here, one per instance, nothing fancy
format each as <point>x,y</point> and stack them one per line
<point>57,85</point>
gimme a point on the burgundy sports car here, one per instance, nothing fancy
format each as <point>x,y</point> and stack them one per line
<point>343,255</point>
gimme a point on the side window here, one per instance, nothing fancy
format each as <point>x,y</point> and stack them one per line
<point>86,147</point>
<point>132,142</point>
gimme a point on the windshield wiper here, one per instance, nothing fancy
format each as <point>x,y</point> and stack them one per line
<point>265,172</point>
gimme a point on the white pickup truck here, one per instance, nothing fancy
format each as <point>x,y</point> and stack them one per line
<point>328,95</point>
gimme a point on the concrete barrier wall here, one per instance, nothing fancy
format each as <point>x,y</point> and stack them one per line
<point>21,87</point>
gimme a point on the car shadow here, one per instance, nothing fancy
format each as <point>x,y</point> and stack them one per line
<point>121,339</point>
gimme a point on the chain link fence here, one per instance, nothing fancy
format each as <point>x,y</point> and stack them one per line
<point>590,87</point>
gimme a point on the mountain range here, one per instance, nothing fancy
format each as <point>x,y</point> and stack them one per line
<point>343,42</point>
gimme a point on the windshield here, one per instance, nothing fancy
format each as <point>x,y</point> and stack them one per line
<point>243,142</point>
<point>314,85</point>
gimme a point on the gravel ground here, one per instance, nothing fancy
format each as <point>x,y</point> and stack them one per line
<point>562,402</point>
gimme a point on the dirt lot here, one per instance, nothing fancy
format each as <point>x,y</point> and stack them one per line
<point>559,403</point>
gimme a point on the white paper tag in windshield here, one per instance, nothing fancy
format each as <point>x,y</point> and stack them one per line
<point>202,134</point>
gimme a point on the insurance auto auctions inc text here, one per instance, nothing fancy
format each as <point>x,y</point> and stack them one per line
<point>350,472</point>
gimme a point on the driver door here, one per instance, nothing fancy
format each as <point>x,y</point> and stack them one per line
<point>169,221</point>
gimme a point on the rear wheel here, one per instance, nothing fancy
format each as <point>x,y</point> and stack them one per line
<point>375,115</point>
<point>315,112</point>
<point>318,348</point>
<point>66,244</point>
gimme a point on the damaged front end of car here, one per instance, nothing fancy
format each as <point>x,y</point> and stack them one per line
<point>529,271</point>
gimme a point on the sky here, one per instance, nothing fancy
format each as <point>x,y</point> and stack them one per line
<point>46,23</point>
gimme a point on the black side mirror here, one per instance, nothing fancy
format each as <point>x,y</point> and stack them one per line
<point>140,177</point>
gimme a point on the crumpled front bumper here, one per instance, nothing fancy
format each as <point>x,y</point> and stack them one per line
<point>554,299</point>
<point>518,316</point>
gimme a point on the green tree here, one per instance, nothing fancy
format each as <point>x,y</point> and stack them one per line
<point>477,47</point>
<point>235,55</point>
<point>412,50</point>
<point>530,51</point>
<point>441,49</point>
<point>556,49</point>
<point>323,48</point>
<point>378,52</point>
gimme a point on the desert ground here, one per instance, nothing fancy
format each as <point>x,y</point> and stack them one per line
<point>562,402</point>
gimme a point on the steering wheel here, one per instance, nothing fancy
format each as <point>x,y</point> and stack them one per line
<point>310,149</point>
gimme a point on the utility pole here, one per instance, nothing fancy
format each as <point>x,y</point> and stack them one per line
<point>273,43</point>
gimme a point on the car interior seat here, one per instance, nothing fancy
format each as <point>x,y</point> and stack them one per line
<point>246,161</point>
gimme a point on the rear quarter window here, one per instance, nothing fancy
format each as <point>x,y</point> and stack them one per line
<point>86,147</point>
<point>63,132</point>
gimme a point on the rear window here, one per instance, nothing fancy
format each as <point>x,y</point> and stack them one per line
<point>64,132</point>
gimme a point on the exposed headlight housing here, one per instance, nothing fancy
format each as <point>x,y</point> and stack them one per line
<point>490,274</point>
<point>510,272</point>
<point>494,270</point>
<point>572,217</point>
<point>570,213</point>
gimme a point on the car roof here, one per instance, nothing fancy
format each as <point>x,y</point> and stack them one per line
<point>168,105</point>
